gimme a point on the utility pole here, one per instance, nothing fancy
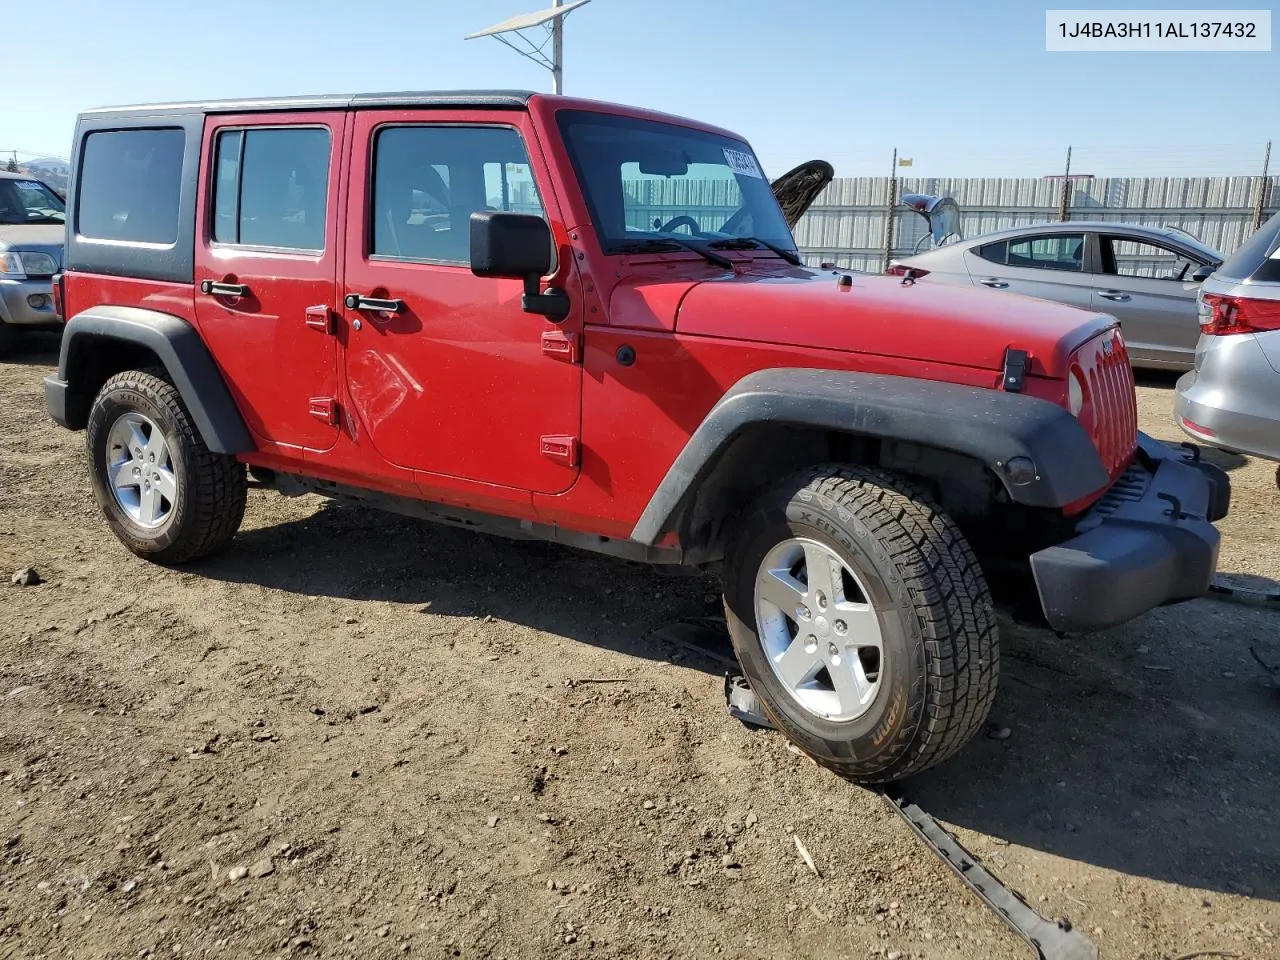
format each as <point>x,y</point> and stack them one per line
<point>1260,198</point>
<point>557,51</point>
<point>1064,204</point>
<point>888,213</point>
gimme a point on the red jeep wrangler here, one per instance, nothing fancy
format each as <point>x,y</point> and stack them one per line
<point>546,317</point>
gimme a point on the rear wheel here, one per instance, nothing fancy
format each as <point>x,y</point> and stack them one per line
<point>863,622</point>
<point>166,496</point>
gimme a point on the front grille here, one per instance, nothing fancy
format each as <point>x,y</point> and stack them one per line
<point>1104,361</point>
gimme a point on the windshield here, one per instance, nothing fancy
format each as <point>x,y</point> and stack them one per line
<point>649,183</point>
<point>29,201</point>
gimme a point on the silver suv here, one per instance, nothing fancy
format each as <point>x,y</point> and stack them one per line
<point>31,233</point>
<point>1232,397</point>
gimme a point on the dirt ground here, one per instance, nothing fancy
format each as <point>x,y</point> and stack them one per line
<point>391,727</point>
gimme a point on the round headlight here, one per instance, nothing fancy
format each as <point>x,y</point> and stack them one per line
<point>1075,394</point>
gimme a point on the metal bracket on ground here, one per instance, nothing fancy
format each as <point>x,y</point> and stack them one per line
<point>1223,588</point>
<point>1051,941</point>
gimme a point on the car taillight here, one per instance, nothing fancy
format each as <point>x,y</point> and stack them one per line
<point>902,270</point>
<point>58,297</point>
<point>1221,316</point>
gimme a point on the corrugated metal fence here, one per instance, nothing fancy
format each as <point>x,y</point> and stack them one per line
<point>846,225</point>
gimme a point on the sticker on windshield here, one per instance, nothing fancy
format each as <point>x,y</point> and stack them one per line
<point>742,163</point>
<point>28,185</point>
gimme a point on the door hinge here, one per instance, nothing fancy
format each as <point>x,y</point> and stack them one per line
<point>1015,370</point>
<point>560,449</point>
<point>562,346</point>
<point>324,409</point>
<point>320,318</point>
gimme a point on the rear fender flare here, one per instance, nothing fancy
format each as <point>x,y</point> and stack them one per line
<point>183,354</point>
<point>989,426</point>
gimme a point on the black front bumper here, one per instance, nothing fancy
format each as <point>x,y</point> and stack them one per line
<point>1149,541</point>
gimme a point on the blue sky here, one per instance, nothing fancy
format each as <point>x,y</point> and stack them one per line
<point>962,89</point>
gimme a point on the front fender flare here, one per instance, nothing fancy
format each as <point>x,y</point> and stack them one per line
<point>990,426</point>
<point>183,354</point>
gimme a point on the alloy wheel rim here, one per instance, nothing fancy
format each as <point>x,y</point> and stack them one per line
<point>140,470</point>
<point>819,629</point>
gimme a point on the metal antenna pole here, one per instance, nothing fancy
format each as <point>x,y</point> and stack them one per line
<point>557,52</point>
<point>888,213</point>
<point>1064,203</point>
<point>1260,200</point>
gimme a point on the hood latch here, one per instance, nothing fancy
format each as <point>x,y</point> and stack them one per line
<point>1015,370</point>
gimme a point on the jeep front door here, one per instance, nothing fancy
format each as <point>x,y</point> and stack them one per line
<point>267,239</point>
<point>446,374</point>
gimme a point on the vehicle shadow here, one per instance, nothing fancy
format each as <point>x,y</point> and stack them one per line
<point>352,553</point>
<point>1149,750</point>
<point>1159,379</point>
<point>35,347</point>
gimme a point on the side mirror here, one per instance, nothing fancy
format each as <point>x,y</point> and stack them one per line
<point>517,246</point>
<point>1203,272</point>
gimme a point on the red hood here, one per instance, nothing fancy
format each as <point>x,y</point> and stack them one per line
<point>881,315</point>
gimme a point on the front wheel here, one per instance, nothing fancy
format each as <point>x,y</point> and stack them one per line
<point>167,497</point>
<point>862,620</point>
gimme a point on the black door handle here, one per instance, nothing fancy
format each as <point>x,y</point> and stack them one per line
<point>357,301</point>
<point>224,289</point>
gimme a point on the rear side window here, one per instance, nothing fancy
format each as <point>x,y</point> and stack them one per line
<point>271,187</point>
<point>995,252</point>
<point>1258,259</point>
<point>1063,251</point>
<point>130,185</point>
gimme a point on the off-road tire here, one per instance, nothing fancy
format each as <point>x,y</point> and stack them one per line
<point>211,486</point>
<point>940,663</point>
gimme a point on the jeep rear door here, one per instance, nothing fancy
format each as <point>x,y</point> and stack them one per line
<point>267,246</point>
<point>446,374</point>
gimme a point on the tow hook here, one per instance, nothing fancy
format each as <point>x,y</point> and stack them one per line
<point>1175,508</point>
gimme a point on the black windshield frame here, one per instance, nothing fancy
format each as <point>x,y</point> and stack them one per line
<point>757,215</point>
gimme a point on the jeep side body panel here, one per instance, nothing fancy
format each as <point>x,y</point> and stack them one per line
<point>587,323</point>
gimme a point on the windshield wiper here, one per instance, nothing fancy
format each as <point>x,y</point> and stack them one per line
<point>656,244</point>
<point>750,243</point>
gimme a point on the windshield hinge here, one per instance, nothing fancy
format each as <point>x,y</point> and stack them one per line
<point>1015,370</point>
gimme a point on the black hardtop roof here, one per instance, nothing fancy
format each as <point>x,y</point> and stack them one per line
<point>459,99</point>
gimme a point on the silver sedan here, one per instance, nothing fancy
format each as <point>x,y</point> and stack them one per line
<point>1232,398</point>
<point>1146,277</point>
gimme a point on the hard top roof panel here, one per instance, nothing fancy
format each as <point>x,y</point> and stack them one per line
<point>461,99</point>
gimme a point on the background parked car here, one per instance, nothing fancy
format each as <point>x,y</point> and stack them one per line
<point>32,221</point>
<point>1232,397</point>
<point>1146,277</point>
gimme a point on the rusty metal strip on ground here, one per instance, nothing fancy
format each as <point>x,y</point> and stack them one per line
<point>1051,941</point>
